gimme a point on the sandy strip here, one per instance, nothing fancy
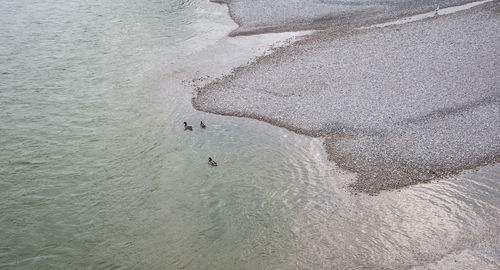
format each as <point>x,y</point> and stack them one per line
<point>264,16</point>
<point>397,105</point>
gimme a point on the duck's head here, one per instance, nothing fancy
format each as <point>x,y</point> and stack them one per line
<point>185,123</point>
<point>210,159</point>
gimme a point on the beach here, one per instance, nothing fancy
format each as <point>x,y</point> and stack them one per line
<point>262,16</point>
<point>397,105</point>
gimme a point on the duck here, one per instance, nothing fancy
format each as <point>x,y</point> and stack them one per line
<point>211,162</point>
<point>186,127</point>
<point>202,125</point>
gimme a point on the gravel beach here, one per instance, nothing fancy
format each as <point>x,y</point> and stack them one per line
<point>397,105</point>
<point>262,16</point>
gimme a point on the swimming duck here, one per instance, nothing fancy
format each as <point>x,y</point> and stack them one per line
<point>211,162</point>
<point>202,125</point>
<point>186,127</point>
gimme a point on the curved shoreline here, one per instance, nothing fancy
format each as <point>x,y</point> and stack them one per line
<point>378,137</point>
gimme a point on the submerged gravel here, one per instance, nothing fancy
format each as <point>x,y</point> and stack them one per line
<point>397,105</point>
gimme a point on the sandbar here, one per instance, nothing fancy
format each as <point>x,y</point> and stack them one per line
<point>397,106</point>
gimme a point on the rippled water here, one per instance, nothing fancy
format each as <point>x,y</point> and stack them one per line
<point>96,171</point>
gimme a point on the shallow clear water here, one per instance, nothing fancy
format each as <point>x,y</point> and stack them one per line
<point>96,171</point>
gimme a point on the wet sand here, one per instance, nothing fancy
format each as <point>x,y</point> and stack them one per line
<point>398,105</point>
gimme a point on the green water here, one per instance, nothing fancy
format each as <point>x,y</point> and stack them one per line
<point>96,171</point>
